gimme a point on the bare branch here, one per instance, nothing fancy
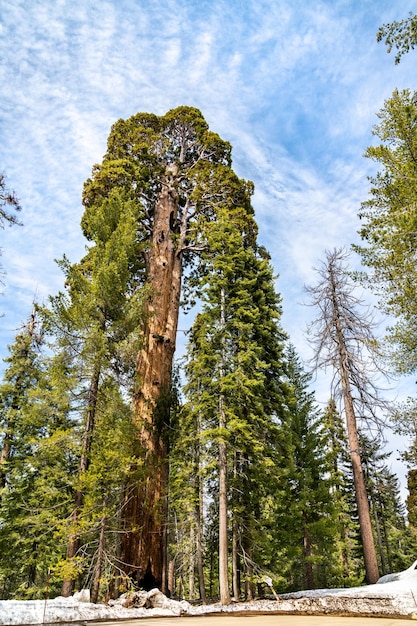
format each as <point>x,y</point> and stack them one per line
<point>342,337</point>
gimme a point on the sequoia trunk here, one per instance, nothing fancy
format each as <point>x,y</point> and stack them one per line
<point>144,542</point>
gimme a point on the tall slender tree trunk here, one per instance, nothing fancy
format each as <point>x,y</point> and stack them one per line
<point>308,566</point>
<point>191,571</point>
<point>389,566</point>
<point>144,542</point>
<point>5,454</point>
<point>100,555</point>
<point>379,541</point>
<point>249,584</point>
<point>223,525</point>
<point>199,543</point>
<point>74,538</point>
<point>171,576</point>
<point>344,551</point>
<point>235,561</point>
<point>368,544</point>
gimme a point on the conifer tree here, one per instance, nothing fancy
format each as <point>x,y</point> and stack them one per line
<point>387,509</point>
<point>388,220</point>
<point>411,501</point>
<point>37,465</point>
<point>179,173</point>
<point>234,371</point>
<point>20,376</point>
<point>346,567</point>
<point>186,497</point>
<point>307,522</point>
<point>96,323</point>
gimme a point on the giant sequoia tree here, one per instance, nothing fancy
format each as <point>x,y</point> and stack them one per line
<point>180,173</point>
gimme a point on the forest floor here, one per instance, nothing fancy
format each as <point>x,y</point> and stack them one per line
<point>387,603</point>
<point>269,620</point>
<point>391,601</point>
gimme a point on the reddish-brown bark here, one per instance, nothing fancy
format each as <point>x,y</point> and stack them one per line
<point>144,513</point>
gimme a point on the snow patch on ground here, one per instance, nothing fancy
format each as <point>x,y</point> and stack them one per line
<point>393,595</point>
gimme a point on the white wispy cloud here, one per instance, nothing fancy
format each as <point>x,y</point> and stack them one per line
<point>293,85</point>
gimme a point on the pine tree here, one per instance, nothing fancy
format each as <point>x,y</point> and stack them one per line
<point>38,461</point>
<point>411,501</point>
<point>21,374</point>
<point>95,322</point>
<point>233,369</point>
<point>346,567</point>
<point>388,224</point>
<point>186,498</point>
<point>307,522</point>
<point>387,509</point>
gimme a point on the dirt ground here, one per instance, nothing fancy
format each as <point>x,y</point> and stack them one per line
<point>264,620</point>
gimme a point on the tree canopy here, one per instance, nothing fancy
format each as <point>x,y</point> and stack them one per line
<point>388,223</point>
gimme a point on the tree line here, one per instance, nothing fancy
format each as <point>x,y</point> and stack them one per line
<point>210,477</point>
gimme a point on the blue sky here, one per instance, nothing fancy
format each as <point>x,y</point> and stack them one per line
<point>294,85</point>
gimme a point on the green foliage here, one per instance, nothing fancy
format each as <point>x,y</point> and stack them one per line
<point>412,497</point>
<point>39,451</point>
<point>235,360</point>
<point>389,220</point>
<point>306,534</point>
<point>401,35</point>
<point>346,565</point>
<point>71,455</point>
<point>394,543</point>
<point>94,327</point>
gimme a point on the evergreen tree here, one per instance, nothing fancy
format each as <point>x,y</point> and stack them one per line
<point>22,373</point>
<point>405,425</point>
<point>387,509</point>
<point>234,386</point>
<point>95,322</point>
<point>186,498</point>
<point>412,498</point>
<point>388,220</point>
<point>346,568</point>
<point>307,522</point>
<point>37,463</point>
<point>179,173</point>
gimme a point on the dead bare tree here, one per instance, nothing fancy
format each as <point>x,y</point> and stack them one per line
<point>342,337</point>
